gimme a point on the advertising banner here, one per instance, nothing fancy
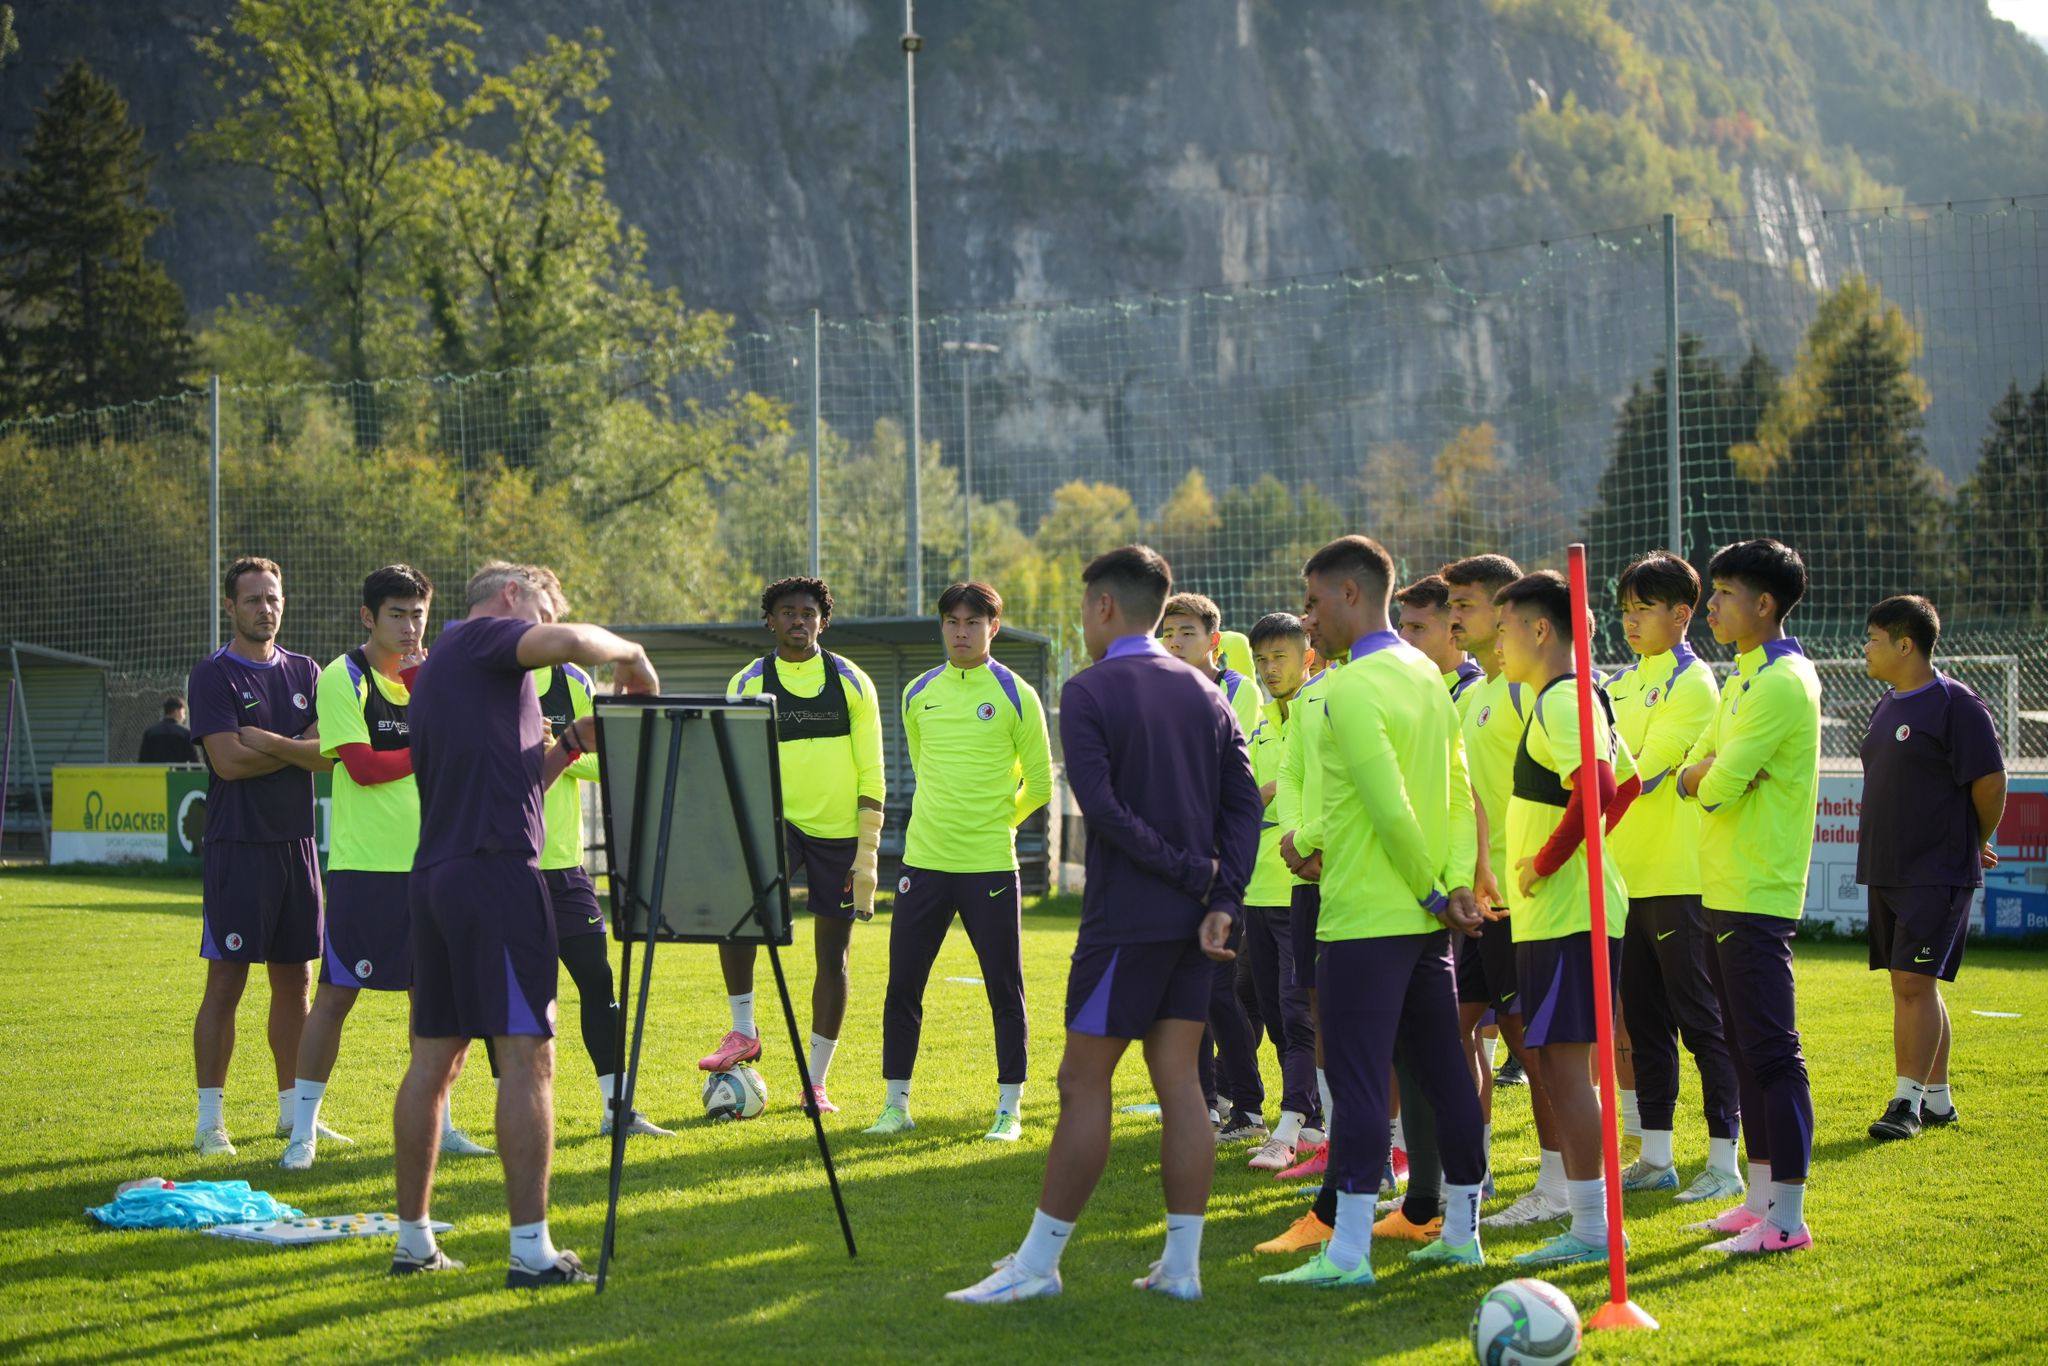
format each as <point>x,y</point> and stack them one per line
<point>142,813</point>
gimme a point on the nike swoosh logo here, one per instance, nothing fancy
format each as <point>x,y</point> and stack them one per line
<point>1923,957</point>
<point>596,919</point>
<point>1509,997</point>
<point>1666,935</point>
<point>246,706</point>
<point>999,891</point>
<point>929,705</point>
<point>1723,937</point>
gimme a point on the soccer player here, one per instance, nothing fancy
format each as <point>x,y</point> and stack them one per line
<point>1662,704</point>
<point>1399,848</point>
<point>484,958</point>
<point>983,763</point>
<point>565,696</point>
<point>829,739</point>
<point>1173,831</point>
<point>1191,630</point>
<point>1755,774</point>
<point>1552,920</point>
<point>1933,794</point>
<point>373,828</point>
<point>1279,646</point>
<point>1426,624</point>
<point>253,713</point>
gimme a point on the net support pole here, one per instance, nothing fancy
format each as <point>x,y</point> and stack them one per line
<point>211,617</point>
<point>817,437</point>
<point>1674,492</point>
<point>913,592</point>
<point>1619,1311</point>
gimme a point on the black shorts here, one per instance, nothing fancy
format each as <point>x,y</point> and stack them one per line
<point>1119,991</point>
<point>1486,969</point>
<point>369,931</point>
<point>826,864</point>
<point>1559,1002</point>
<point>1919,929</point>
<point>260,902</point>
<point>1303,910</point>
<point>483,949</point>
<point>574,898</point>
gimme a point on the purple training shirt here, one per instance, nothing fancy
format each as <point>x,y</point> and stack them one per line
<point>227,692</point>
<point>477,744</point>
<point>1923,750</point>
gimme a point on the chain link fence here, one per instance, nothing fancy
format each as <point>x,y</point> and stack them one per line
<point>1870,386</point>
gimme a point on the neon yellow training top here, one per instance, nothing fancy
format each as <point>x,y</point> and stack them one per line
<point>983,762</point>
<point>563,698</point>
<point>824,778</point>
<point>1543,777</point>
<point>1298,791</point>
<point>1495,714</point>
<point>372,829</point>
<point>1663,703</point>
<point>1272,885</point>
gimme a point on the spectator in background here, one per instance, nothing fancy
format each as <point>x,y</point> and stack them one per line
<point>168,742</point>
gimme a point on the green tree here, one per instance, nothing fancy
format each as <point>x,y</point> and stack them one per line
<point>1185,532</point>
<point>93,320</point>
<point>2002,512</point>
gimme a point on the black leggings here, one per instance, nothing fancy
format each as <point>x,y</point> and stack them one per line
<point>591,971</point>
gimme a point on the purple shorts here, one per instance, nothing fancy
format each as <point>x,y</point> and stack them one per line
<point>1119,991</point>
<point>260,903</point>
<point>574,898</point>
<point>369,931</point>
<point>1486,968</point>
<point>1557,1006</point>
<point>483,949</point>
<point>826,864</point>
<point>1303,910</point>
<point>1920,929</point>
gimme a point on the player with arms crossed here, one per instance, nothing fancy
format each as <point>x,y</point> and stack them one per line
<point>829,748</point>
<point>983,762</point>
<point>1756,776</point>
<point>484,951</point>
<point>1399,848</point>
<point>1662,704</point>
<point>1173,830</point>
<point>1933,794</point>
<point>252,710</point>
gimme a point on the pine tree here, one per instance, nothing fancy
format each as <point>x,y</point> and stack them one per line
<point>93,319</point>
<point>2002,512</point>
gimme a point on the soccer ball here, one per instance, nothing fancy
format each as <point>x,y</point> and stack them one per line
<point>1525,1323</point>
<point>738,1094</point>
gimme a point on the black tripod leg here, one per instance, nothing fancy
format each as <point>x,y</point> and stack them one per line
<point>619,1112</point>
<point>803,1071</point>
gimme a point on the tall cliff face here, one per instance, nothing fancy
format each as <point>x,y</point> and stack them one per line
<point>1070,148</point>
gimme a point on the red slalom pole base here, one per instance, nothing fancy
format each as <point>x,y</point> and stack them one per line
<point>1621,1314</point>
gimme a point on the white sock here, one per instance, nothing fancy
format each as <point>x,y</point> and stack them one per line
<point>416,1238</point>
<point>1657,1147</point>
<point>1289,1127</point>
<point>531,1246</point>
<point>743,1014</point>
<point>1490,1047</point>
<point>1183,1247</point>
<point>1631,1117</point>
<point>1010,1096</point>
<point>1486,1144</point>
<point>1400,1137</point>
<point>1758,1200</point>
<point>1721,1154</point>
<point>1788,1206</point>
<point>1352,1242</point>
<point>1461,1214</point>
<point>1329,1108</point>
<point>1912,1091</point>
<point>448,1117</point>
<point>898,1093</point>
<point>306,1110</point>
<point>607,1089</point>
<point>1588,1203</point>
<point>1040,1253</point>
<point>1550,1180</point>
<point>1936,1101</point>
<point>211,1100</point>
<point>822,1049</point>
<point>287,1106</point>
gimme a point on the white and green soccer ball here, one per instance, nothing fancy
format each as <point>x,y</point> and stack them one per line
<point>738,1094</point>
<point>1525,1323</point>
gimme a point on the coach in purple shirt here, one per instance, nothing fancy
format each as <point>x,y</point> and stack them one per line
<point>483,932</point>
<point>1158,766</point>
<point>1933,794</point>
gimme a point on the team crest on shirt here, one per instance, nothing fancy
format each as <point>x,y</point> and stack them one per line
<point>902,885</point>
<point>1650,697</point>
<point>986,711</point>
<point>234,942</point>
<point>1902,733</point>
<point>363,967</point>
<point>299,700</point>
<point>1485,715</point>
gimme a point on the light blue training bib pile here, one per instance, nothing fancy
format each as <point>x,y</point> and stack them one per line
<point>192,1204</point>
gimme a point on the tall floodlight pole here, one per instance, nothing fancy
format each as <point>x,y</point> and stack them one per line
<point>913,592</point>
<point>968,350</point>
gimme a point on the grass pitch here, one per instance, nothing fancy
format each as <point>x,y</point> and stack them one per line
<point>728,1245</point>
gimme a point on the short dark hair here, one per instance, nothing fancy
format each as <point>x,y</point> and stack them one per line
<point>1763,566</point>
<point>792,587</point>
<point>1137,576</point>
<point>1202,609</point>
<point>1355,557</point>
<point>1277,626</point>
<point>1659,577</point>
<point>247,564</point>
<point>1911,616</point>
<point>976,596</point>
<point>1546,592</point>
<point>394,581</point>
<point>1429,591</point>
<point>173,705</point>
<point>1491,572</point>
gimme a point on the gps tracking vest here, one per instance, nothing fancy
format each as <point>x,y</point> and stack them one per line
<point>809,718</point>
<point>557,708</point>
<point>1534,782</point>
<point>382,718</point>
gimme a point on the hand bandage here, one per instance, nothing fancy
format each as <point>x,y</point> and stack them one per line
<point>866,855</point>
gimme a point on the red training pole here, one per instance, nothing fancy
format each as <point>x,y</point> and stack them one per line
<point>1619,1311</point>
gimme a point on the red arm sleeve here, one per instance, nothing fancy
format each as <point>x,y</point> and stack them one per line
<point>1571,831</point>
<point>368,767</point>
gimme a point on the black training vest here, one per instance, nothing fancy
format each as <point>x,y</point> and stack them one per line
<point>557,708</point>
<point>1534,782</point>
<point>382,718</point>
<point>809,718</point>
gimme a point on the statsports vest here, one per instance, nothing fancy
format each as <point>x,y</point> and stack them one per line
<point>382,718</point>
<point>809,718</point>
<point>556,707</point>
<point>1534,782</point>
